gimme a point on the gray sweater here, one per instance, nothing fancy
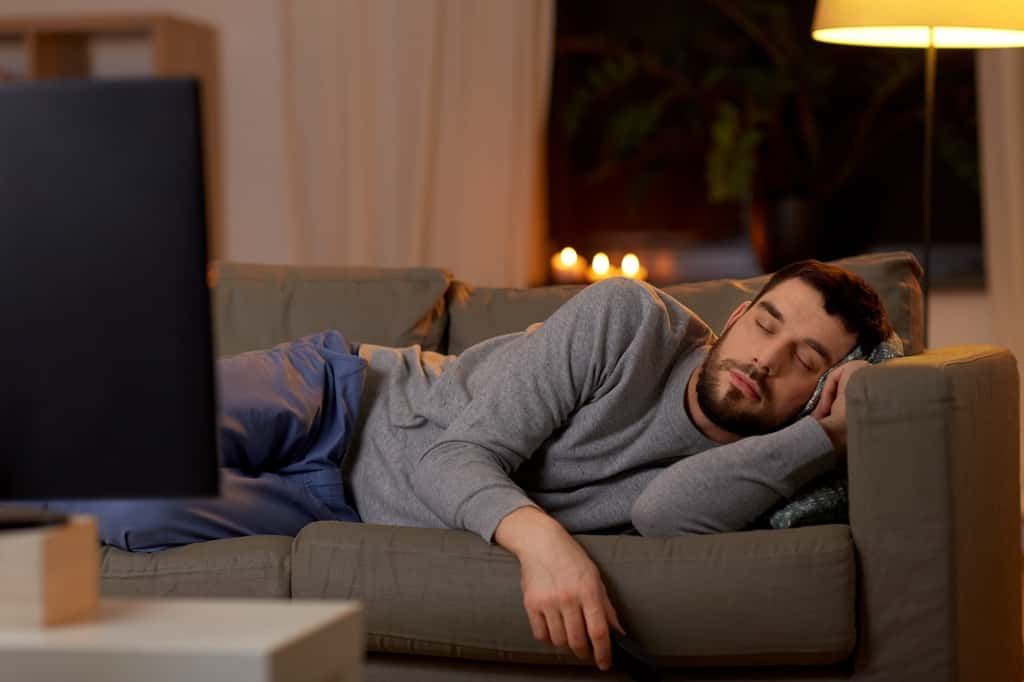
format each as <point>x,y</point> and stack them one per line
<point>583,415</point>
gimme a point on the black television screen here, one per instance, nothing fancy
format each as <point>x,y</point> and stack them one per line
<point>106,358</point>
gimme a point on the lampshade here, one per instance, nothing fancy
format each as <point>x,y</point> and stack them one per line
<point>910,23</point>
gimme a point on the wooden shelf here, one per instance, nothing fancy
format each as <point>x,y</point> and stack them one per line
<point>62,47</point>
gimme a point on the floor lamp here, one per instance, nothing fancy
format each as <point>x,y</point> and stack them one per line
<point>928,24</point>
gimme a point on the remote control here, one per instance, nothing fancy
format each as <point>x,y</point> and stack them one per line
<point>629,657</point>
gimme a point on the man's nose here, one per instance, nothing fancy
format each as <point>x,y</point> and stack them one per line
<point>770,358</point>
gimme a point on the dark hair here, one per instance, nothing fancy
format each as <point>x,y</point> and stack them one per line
<point>845,294</point>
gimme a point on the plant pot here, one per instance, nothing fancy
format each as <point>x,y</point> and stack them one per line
<point>787,231</point>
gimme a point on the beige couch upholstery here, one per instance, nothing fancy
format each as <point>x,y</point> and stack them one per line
<point>923,584</point>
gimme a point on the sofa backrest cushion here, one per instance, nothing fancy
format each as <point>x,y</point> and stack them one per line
<point>479,313</point>
<point>257,306</point>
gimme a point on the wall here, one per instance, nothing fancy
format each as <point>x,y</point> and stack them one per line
<point>960,317</point>
<point>1001,137</point>
<point>252,127</point>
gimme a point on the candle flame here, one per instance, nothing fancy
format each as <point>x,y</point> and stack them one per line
<point>568,256</point>
<point>601,263</point>
<point>630,265</point>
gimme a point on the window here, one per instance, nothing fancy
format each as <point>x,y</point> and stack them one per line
<point>717,139</point>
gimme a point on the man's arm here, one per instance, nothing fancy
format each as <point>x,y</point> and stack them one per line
<point>582,352</point>
<point>576,356</point>
<point>726,488</point>
<point>563,594</point>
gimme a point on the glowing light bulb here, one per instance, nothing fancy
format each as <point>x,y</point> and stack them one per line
<point>601,263</point>
<point>568,256</point>
<point>630,265</point>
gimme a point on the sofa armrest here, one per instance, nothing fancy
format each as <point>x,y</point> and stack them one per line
<point>934,511</point>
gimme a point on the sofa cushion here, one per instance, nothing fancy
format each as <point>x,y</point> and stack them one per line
<point>258,306</point>
<point>479,313</point>
<point>256,566</point>
<point>758,597</point>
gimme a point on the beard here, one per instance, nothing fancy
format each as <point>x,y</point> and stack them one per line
<point>726,410</point>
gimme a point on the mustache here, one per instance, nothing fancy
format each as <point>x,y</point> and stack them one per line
<point>755,375</point>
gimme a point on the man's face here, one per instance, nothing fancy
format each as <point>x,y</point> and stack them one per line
<point>765,366</point>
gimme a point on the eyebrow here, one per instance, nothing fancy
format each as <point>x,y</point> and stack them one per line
<point>811,343</point>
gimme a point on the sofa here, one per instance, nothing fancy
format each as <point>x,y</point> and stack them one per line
<point>922,584</point>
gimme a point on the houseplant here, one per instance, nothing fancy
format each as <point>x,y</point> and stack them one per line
<point>784,123</point>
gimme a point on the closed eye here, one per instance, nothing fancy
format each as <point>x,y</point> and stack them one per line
<point>764,327</point>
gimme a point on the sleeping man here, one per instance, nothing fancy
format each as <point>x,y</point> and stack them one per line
<point>622,412</point>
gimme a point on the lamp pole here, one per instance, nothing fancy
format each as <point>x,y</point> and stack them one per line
<point>926,179</point>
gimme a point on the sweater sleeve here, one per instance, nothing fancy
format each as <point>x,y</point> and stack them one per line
<point>726,488</point>
<point>530,392</point>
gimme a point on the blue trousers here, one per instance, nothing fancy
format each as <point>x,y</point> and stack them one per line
<point>286,418</point>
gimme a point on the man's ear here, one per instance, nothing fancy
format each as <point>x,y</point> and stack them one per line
<point>740,309</point>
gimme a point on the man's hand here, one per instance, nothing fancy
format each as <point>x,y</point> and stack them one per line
<point>831,409</point>
<point>565,599</point>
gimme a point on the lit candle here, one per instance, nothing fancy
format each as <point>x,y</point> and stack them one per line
<point>601,268</point>
<point>631,267</point>
<point>567,267</point>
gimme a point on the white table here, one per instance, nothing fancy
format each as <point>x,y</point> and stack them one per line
<point>201,640</point>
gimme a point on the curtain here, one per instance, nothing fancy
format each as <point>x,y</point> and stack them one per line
<point>415,134</point>
<point>1000,79</point>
